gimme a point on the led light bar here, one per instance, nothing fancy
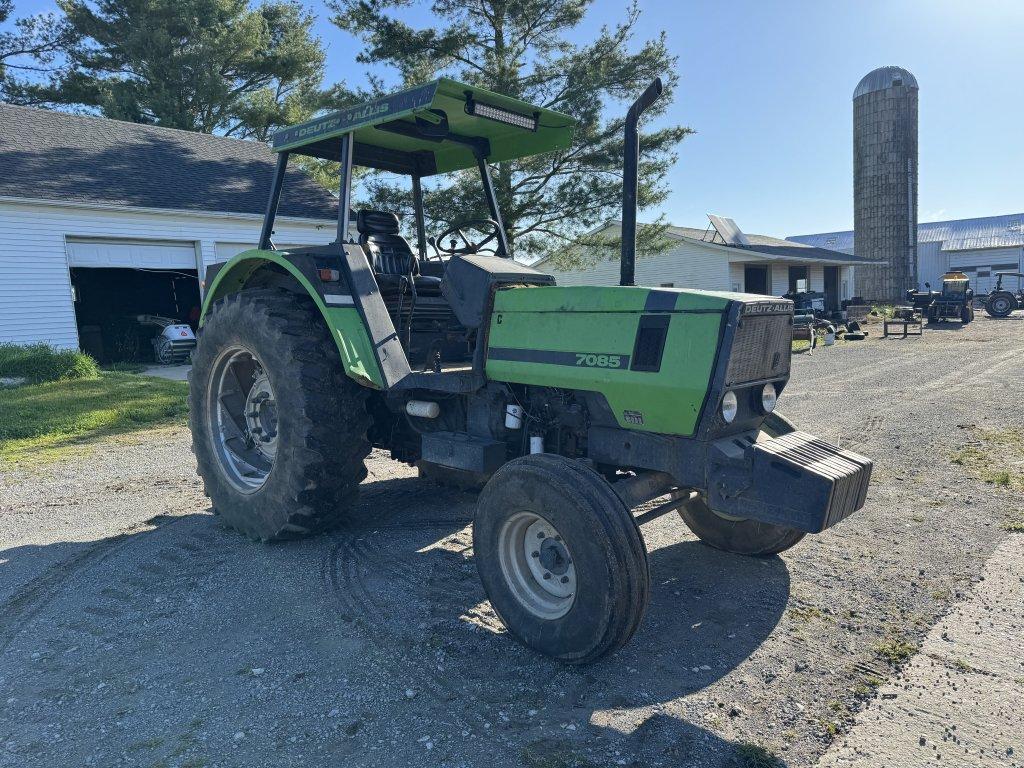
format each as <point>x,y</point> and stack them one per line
<point>499,115</point>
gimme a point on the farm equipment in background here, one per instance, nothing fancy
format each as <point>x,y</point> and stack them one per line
<point>807,302</point>
<point>954,302</point>
<point>175,342</point>
<point>1001,301</point>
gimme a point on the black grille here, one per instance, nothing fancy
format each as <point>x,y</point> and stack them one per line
<point>761,348</point>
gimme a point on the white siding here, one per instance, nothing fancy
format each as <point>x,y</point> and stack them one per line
<point>736,276</point>
<point>780,279</point>
<point>686,265</point>
<point>932,263</point>
<point>35,285</point>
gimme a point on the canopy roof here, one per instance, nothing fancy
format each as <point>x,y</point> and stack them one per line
<point>432,128</point>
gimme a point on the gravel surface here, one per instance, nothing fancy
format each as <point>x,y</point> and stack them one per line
<point>135,631</point>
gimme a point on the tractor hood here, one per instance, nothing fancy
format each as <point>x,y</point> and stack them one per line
<point>623,299</point>
<point>657,355</point>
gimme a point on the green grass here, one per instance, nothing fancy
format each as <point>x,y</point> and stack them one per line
<point>41,362</point>
<point>883,310</point>
<point>895,650</point>
<point>40,421</point>
<point>995,457</point>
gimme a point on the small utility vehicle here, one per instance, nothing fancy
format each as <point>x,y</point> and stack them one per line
<point>1002,301</point>
<point>573,405</point>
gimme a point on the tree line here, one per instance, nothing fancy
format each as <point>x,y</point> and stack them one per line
<point>245,70</point>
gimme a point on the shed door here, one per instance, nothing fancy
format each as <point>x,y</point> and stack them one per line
<point>131,254</point>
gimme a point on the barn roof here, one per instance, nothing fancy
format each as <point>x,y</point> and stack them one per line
<point>48,155</point>
<point>959,235</point>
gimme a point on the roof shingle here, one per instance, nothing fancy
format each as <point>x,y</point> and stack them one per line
<point>49,155</point>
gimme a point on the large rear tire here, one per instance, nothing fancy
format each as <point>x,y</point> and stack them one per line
<point>737,535</point>
<point>1000,304</point>
<point>278,429</point>
<point>560,558</point>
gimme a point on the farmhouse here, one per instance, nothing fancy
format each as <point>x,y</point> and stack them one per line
<point>103,220</point>
<point>721,258</point>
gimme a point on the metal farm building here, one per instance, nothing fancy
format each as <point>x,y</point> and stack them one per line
<point>979,247</point>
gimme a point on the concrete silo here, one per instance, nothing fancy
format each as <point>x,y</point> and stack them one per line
<point>885,183</point>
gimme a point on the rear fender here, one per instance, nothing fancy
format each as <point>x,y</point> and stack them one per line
<point>299,272</point>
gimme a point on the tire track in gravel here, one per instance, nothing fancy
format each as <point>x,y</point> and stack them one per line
<point>29,601</point>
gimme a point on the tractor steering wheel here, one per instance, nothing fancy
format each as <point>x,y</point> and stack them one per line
<point>455,233</point>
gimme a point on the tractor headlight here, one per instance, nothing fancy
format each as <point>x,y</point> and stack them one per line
<point>729,407</point>
<point>768,398</point>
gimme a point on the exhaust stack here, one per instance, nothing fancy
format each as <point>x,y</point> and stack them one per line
<point>630,181</point>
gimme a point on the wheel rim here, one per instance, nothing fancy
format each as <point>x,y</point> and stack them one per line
<point>1001,305</point>
<point>537,565</point>
<point>242,418</point>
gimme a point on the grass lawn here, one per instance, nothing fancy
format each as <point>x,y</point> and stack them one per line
<point>41,421</point>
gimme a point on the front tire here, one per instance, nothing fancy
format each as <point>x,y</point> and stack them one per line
<point>737,535</point>
<point>560,557</point>
<point>278,429</point>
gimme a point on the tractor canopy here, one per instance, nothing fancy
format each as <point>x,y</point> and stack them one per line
<point>433,128</point>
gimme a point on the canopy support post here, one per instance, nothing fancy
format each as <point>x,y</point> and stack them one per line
<point>275,199</point>
<point>492,201</point>
<point>417,205</point>
<point>344,187</point>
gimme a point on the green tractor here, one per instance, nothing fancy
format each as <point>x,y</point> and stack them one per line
<point>573,407</point>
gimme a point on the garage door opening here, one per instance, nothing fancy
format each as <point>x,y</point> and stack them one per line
<point>110,300</point>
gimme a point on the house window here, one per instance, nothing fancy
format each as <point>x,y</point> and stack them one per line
<point>846,289</point>
<point>668,285</point>
<point>797,274</point>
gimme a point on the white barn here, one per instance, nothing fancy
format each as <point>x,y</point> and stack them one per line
<point>978,247</point>
<point>102,219</point>
<point>700,259</point>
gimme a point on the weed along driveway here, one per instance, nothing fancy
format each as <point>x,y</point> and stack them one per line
<point>135,630</point>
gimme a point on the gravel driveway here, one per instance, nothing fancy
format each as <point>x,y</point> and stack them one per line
<point>135,631</point>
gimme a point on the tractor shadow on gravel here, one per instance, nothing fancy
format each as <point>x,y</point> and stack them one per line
<point>398,613</point>
<point>405,575</point>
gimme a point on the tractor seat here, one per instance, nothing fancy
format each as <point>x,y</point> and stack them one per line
<point>390,254</point>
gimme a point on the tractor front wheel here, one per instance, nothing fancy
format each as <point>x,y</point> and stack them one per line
<point>278,429</point>
<point>560,557</point>
<point>739,535</point>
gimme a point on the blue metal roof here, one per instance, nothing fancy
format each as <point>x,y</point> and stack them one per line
<point>959,235</point>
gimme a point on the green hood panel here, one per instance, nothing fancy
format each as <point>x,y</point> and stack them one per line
<point>585,338</point>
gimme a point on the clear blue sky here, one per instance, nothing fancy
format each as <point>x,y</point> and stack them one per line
<point>768,85</point>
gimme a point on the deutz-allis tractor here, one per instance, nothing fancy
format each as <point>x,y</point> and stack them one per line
<point>573,406</point>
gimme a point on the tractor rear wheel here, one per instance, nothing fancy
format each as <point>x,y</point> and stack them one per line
<point>560,557</point>
<point>739,535</point>
<point>278,429</point>
<point>1000,304</point>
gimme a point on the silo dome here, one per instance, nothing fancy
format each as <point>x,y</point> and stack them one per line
<point>882,78</point>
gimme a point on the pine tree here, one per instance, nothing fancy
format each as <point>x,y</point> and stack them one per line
<point>28,48</point>
<point>520,48</point>
<point>202,65</point>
